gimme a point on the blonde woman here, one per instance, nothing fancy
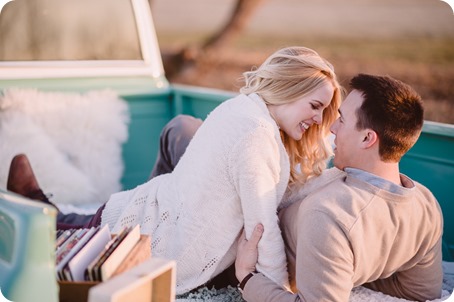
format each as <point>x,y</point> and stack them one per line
<point>235,170</point>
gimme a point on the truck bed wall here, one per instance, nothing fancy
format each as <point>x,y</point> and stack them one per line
<point>150,113</point>
<point>429,162</point>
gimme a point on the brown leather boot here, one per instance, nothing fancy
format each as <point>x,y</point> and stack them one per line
<point>22,180</point>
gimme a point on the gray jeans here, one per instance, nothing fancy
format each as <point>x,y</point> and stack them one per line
<point>174,139</point>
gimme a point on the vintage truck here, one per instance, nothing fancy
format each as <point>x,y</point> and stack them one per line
<point>87,45</point>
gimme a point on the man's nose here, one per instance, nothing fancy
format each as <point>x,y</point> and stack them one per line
<point>334,127</point>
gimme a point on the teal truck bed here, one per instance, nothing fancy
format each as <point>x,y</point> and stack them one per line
<point>136,75</point>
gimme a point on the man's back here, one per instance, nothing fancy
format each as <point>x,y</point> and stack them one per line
<point>355,233</point>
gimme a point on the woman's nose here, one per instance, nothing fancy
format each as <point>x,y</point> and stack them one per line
<point>318,118</point>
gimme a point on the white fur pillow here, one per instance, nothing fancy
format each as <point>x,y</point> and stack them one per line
<point>73,142</point>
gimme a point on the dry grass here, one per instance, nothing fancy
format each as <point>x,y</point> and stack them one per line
<point>425,63</point>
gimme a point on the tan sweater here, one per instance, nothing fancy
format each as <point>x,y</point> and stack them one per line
<point>351,233</point>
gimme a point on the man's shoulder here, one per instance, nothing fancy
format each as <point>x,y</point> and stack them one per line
<point>330,184</point>
<point>339,200</point>
<point>314,185</point>
<point>424,190</point>
<point>429,201</point>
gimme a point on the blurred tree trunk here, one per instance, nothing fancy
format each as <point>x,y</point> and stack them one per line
<point>238,20</point>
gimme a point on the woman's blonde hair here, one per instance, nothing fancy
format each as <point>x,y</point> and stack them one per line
<point>287,75</point>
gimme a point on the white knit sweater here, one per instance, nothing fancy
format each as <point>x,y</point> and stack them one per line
<point>233,174</point>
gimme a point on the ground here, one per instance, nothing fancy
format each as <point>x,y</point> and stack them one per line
<point>412,40</point>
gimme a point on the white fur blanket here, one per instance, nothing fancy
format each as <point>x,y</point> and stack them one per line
<point>359,294</point>
<point>73,142</point>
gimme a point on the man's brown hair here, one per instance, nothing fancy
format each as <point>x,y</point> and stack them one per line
<point>393,110</point>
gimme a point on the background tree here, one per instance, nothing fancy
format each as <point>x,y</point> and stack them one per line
<point>187,57</point>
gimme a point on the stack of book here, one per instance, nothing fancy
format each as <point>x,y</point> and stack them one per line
<point>96,255</point>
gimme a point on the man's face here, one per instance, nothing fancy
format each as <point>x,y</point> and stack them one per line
<point>348,138</point>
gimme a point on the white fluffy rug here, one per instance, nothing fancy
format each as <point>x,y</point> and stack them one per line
<point>72,140</point>
<point>359,294</point>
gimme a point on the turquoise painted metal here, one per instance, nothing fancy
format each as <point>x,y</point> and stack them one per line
<point>431,162</point>
<point>27,248</point>
<point>149,114</point>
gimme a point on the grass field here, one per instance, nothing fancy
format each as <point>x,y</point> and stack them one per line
<point>412,40</point>
<point>426,64</point>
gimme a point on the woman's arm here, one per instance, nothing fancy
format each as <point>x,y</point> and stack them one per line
<point>259,170</point>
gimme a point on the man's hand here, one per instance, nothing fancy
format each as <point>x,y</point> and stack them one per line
<point>247,253</point>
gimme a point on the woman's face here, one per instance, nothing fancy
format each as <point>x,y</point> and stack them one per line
<point>296,117</point>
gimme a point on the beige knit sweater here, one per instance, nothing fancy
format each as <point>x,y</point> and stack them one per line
<point>233,174</point>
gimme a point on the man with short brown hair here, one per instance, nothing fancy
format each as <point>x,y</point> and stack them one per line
<point>361,222</point>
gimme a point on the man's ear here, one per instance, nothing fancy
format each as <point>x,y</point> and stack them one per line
<point>369,139</point>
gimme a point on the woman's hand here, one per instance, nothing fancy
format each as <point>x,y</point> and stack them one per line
<point>247,253</point>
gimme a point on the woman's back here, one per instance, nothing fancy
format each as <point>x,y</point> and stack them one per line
<point>195,213</point>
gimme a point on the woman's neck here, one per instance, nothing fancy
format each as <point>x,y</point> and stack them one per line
<point>272,114</point>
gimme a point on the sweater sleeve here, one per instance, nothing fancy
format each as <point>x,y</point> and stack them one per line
<point>260,177</point>
<point>324,266</point>
<point>325,262</point>
<point>261,289</point>
<point>421,282</point>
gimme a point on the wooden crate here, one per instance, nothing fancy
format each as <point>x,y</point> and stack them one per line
<point>153,280</point>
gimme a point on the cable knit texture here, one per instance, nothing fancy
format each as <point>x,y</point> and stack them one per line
<point>233,174</point>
